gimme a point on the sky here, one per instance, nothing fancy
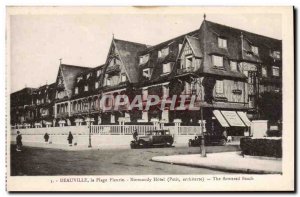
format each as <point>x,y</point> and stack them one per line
<point>37,42</point>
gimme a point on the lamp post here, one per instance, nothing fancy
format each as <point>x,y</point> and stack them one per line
<point>89,122</point>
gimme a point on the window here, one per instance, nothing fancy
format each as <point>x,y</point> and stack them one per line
<point>76,90</point>
<point>123,77</point>
<point>144,59</point>
<point>86,88</point>
<point>147,73</point>
<point>96,85</point>
<point>219,87</point>
<point>222,43</point>
<point>108,81</point>
<point>264,71</point>
<point>188,62</point>
<point>254,49</point>
<point>167,68</point>
<point>275,71</point>
<point>217,61</point>
<point>99,72</point>
<point>78,79</point>
<point>145,116</point>
<point>164,52</point>
<point>88,75</point>
<point>233,65</point>
<point>188,88</point>
<point>276,54</point>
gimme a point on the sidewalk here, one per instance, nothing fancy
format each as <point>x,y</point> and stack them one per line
<point>227,161</point>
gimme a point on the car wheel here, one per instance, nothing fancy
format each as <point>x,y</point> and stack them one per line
<point>142,143</point>
<point>223,142</point>
<point>168,144</point>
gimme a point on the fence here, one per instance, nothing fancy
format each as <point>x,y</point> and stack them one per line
<point>120,129</point>
<point>107,130</point>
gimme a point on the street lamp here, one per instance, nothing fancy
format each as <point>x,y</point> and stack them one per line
<point>86,102</point>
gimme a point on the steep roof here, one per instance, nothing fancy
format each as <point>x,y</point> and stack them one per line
<point>70,73</point>
<point>195,45</point>
<point>128,52</point>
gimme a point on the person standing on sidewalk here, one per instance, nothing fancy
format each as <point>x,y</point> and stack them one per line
<point>46,137</point>
<point>19,141</point>
<point>70,138</point>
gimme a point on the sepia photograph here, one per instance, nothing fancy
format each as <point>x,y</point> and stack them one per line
<point>150,99</point>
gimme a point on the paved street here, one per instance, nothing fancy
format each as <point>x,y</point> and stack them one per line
<point>39,161</point>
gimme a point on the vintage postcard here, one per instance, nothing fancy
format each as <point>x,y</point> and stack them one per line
<point>150,99</point>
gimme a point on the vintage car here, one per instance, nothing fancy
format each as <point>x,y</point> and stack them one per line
<point>153,138</point>
<point>209,140</point>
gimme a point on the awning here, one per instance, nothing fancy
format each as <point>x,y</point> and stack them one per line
<point>233,118</point>
<point>244,118</point>
<point>220,118</point>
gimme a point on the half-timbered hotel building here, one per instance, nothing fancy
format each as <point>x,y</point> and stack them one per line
<point>226,68</point>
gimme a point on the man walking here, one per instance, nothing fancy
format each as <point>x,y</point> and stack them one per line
<point>19,141</point>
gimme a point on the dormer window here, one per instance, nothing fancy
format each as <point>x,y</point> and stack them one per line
<point>254,50</point>
<point>167,68</point>
<point>276,54</point>
<point>78,79</point>
<point>99,72</point>
<point>123,77</point>
<point>217,61</point>
<point>86,88</point>
<point>144,59</point>
<point>147,73</point>
<point>164,52</point>
<point>222,43</point>
<point>233,66</point>
<point>88,76</point>
<point>188,62</point>
<point>76,90</point>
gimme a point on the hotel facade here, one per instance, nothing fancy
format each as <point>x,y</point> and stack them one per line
<point>227,69</point>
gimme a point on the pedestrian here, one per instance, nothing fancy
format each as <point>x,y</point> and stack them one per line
<point>135,134</point>
<point>19,141</point>
<point>46,137</point>
<point>70,138</point>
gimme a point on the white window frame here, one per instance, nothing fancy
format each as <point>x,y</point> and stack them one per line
<point>165,51</point>
<point>277,54</point>
<point>167,68</point>
<point>219,87</point>
<point>254,49</point>
<point>186,60</point>
<point>144,59</point>
<point>96,85</point>
<point>222,43</point>
<point>122,77</point>
<point>76,90</point>
<point>86,88</point>
<point>275,71</point>
<point>235,68</point>
<point>217,61</point>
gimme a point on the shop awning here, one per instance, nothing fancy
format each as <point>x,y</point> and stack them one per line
<point>220,118</point>
<point>244,118</point>
<point>233,118</point>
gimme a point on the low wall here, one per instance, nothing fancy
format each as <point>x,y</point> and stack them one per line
<point>96,140</point>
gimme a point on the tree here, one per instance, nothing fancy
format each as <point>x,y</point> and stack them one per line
<point>270,106</point>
